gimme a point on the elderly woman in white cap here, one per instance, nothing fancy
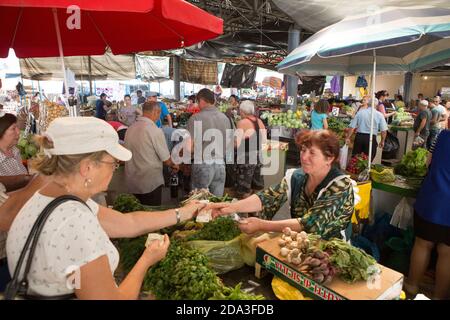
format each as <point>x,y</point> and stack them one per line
<point>249,143</point>
<point>81,155</point>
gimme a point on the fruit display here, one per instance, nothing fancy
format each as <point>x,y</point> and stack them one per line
<point>288,119</point>
<point>358,163</point>
<point>27,146</point>
<point>51,111</point>
<point>413,164</point>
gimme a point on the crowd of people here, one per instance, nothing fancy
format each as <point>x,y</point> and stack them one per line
<point>80,156</point>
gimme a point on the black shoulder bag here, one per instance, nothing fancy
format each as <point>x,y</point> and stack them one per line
<point>19,288</point>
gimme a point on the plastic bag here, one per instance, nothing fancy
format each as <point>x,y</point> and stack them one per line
<point>224,256</point>
<point>248,247</point>
<point>403,215</point>
<point>362,207</point>
<point>391,145</point>
<point>343,157</point>
<point>418,142</point>
<point>284,291</point>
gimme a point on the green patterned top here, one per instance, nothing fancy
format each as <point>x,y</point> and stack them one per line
<point>326,215</point>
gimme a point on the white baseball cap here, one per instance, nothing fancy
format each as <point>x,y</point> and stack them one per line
<point>424,103</point>
<point>78,135</point>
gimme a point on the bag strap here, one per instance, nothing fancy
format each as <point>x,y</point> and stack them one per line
<point>15,286</point>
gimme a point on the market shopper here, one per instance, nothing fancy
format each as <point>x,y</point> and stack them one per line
<point>361,124</point>
<point>234,101</point>
<point>102,107</point>
<point>399,103</point>
<point>192,106</point>
<point>437,116</point>
<point>120,128</point>
<point>144,172</point>
<point>13,174</point>
<point>319,115</point>
<point>153,96</point>
<point>80,155</point>
<point>432,222</point>
<point>140,97</point>
<point>422,125</point>
<point>383,103</point>
<point>10,205</point>
<point>129,113</point>
<point>249,146</point>
<point>320,196</point>
<point>208,169</point>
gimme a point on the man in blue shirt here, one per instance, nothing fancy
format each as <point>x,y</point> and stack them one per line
<point>101,107</point>
<point>153,96</point>
<point>361,123</point>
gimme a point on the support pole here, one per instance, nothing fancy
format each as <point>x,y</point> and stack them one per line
<point>72,110</point>
<point>373,106</point>
<point>407,88</point>
<point>292,81</point>
<point>90,75</point>
<point>176,77</point>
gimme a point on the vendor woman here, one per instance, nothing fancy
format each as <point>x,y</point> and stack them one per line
<point>321,197</point>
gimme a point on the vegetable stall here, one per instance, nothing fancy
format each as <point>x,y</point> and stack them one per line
<point>204,257</point>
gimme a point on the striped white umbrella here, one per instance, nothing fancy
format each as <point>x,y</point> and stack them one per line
<point>392,40</point>
<point>405,39</point>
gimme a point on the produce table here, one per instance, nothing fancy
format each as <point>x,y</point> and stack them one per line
<point>386,196</point>
<point>387,287</point>
<point>405,136</point>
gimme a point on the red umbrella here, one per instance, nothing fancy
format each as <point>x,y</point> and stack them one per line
<point>30,27</point>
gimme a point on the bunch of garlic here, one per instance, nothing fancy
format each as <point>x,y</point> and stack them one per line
<point>293,244</point>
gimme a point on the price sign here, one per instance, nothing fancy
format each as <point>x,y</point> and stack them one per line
<point>290,100</point>
<point>335,111</point>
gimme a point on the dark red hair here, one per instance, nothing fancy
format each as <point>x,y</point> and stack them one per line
<point>325,140</point>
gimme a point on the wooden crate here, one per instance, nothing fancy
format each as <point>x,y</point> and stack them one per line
<point>388,286</point>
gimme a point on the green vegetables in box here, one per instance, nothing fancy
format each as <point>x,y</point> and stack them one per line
<point>352,263</point>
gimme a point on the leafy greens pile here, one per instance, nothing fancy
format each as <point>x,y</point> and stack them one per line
<point>220,229</point>
<point>352,263</point>
<point>413,164</point>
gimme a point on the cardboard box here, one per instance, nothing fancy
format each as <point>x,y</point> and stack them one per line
<point>386,286</point>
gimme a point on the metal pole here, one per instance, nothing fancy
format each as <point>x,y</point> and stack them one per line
<point>61,54</point>
<point>176,77</point>
<point>373,106</point>
<point>407,87</point>
<point>292,81</point>
<point>90,75</point>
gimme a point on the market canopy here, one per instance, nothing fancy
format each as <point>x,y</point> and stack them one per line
<point>316,15</point>
<point>405,39</point>
<point>29,26</point>
<point>103,67</point>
